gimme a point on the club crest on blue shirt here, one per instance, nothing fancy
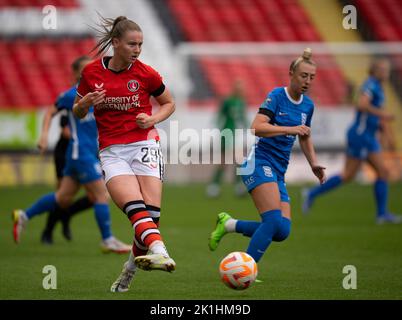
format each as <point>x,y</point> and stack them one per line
<point>268,101</point>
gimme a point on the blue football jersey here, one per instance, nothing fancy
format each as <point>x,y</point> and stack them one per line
<point>282,111</point>
<point>84,134</point>
<point>368,123</point>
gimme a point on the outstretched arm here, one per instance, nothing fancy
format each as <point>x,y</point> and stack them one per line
<point>43,139</point>
<point>307,147</point>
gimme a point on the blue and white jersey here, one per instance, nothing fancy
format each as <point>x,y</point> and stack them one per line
<point>282,111</point>
<point>368,123</point>
<point>84,135</point>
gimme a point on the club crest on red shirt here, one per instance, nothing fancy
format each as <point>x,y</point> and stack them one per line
<point>133,85</point>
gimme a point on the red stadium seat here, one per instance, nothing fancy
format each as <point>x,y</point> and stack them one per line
<point>251,20</point>
<point>384,21</point>
<point>384,18</point>
<point>34,72</point>
<point>39,3</point>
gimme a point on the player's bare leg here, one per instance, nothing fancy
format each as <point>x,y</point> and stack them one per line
<point>109,243</point>
<point>351,167</point>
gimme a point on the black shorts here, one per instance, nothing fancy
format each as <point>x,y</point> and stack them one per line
<point>59,156</point>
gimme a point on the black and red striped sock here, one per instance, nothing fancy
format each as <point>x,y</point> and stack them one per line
<point>145,230</point>
<point>155,213</point>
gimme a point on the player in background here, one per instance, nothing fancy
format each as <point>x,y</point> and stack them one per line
<point>285,115</point>
<point>59,156</point>
<point>82,168</point>
<point>363,144</point>
<point>231,116</point>
<point>120,87</point>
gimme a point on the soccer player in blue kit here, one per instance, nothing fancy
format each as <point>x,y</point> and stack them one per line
<point>59,156</point>
<point>82,168</point>
<point>285,114</point>
<point>363,144</point>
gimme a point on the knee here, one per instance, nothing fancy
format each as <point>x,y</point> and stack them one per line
<point>63,200</point>
<point>347,177</point>
<point>105,196</point>
<point>100,197</point>
<point>383,174</point>
<point>99,194</point>
<point>283,230</point>
<point>91,197</point>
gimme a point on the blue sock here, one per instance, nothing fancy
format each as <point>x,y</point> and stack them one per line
<point>381,196</point>
<point>102,216</point>
<point>247,228</point>
<point>262,237</point>
<point>44,204</point>
<point>330,184</point>
<point>283,231</point>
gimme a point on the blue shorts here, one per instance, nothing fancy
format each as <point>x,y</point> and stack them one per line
<point>263,173</point>
<point>360,146</point>
<point>83,170</point>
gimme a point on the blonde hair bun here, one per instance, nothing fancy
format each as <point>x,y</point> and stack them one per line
<point>306,58</point>
<point>307,53</point>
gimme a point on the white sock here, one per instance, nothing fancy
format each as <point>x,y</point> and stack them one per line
<point>230,225</point>
<point>131,266</point>
<point>158,247</point>
<point>107,240</point>
<point>24,216</point>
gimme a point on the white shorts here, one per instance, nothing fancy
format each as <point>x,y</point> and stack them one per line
<point>143,158</point>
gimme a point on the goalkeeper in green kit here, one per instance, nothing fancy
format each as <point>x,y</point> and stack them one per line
<point>231,116</point>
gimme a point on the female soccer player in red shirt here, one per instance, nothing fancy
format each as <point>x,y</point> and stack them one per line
<point>120,87</point>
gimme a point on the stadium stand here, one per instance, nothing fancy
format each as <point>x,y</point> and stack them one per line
<point>34,71</point>
<point>383,18</point>
<point>38,3</point>
<point>195,21</point>
<point>38,60</point>
<point>30,51</point>
<point>258,21</point>
<point>381,22</point>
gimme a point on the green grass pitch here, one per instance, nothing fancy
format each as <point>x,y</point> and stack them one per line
<point>339,231</point>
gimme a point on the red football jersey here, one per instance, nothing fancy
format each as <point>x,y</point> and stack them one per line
<point>127,94</point>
